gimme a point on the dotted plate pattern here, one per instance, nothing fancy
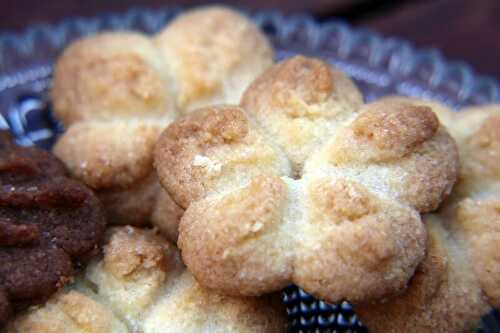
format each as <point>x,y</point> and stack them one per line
<point>380,66</point>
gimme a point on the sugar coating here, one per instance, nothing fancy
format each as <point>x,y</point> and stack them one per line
<point>205,162</point>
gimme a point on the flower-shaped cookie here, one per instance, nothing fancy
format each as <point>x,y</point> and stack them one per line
<point>304,184</point>
<point>115,92</point>
<point>141,286</point>
<point>459,281</point>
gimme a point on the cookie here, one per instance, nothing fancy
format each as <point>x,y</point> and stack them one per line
<point>473,212</point>
<point>48,223</point>
<point>214,53</point>
<point>459,280</point>
<point>444,295</point>
<point>140,285</point>
<point>116,91</point>
<point>305,184</point>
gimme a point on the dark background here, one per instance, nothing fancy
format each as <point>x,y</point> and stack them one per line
<point>467,30</point>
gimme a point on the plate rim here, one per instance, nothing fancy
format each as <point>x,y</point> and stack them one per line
<point>21,44</point>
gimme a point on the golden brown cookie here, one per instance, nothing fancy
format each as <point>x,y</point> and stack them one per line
<point>345,226</point>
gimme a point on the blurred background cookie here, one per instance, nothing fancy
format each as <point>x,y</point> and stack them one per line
<point>115,92</point>
<point>214,54</point>
<point>111,74</point>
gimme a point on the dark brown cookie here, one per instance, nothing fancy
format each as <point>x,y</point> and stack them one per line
<point>48,223</point>
<point>18,164</point>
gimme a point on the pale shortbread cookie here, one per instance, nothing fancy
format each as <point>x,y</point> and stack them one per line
<point>115,158</point>
<point>111,74</point>
<point>115,154</point>
<point>114,94</point>
<point>459,281</point>
<point>116,91</point>
<point>141,286</point>
<point>214,53</point>
<point>346,226</point>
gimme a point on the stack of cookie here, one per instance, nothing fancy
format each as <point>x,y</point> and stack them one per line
<point>264,175</point>
<point>115,93</point>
